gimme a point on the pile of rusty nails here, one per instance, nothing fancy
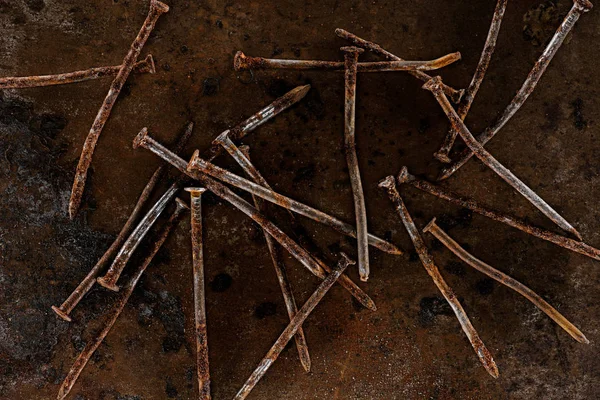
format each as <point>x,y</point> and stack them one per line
<point>204,175</point>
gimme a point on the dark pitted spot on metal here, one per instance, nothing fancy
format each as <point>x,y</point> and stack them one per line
<point>265,309</point>
<point>221,283</point>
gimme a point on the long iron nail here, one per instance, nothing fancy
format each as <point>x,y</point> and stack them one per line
<point>292,328</point>
<point>510,220</point>
<point>351,54</point>
<point>116,310</point>
<point>222,191</point>
<point>88,282</point>
<point>156,10</point>
<point>506,280</point>
<point>19,82</point>
<point>242,62</point>
<point>434,87</point>
<point>243,160</point>
<point>291,204</point>
<point>276,258</point>
<point>579,7</point>
<point>202,365</point>
<point>389,185</point>
<point>454,94</point>
<point>473,88</point>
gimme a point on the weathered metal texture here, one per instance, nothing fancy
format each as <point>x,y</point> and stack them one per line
<point>579,7</point>
<point>235,180</point>
<point>222,191</point>
<point>506,280</point>
<point>574,245</point>
<point>112,315</point>
<point>156,10</point>
<point>351,54</point>
<point>242,62</point>
<point>484,62</point>
<point>201,336</point>
<point>389,185</point>
<point>454,94</point>
<point>293,327</point>
<point>87,283</point>
<point>19,82</point>
<point>434,86</point>
<point>242,156</point>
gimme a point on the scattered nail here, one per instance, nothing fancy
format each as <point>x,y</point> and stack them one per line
<point>141,67</point>
<point>242,62</point>
<point>454,94</point>
<point>389,185</point>
<point>222,191</point>
<point>293,327</point>
<point>88,282</point>
<point>506,280</point>
<point>351,54</point>
<point>579,7</point>
<point>482,66</point>
<point>468,203</point>
<point>274,251</point>
<point>156,10</point>
<point>434,87</point>
<point>114,313</point>
<point>202,365</point>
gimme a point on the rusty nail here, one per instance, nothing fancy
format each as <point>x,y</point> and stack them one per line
<point>293,327</point>
<point>473,88</point>
<point>88,282</point>
<point>242,62</point>
<point>454,94</point>
<point>506,280</point>
<point>202,365</point>
<point>574,245</point>
<point>156,10</point>
<point>276,258</point>
<point>434,87</point>
<point>117,308</point>
<point>579,7</point>
<point>208,168</point>
<point>19,82</point>
<point>389,185</point>
<point>351,54</point>
<point>222,191</point>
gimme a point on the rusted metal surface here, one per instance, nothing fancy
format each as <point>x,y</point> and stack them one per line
<point>222,191</point>
<point>293,327</point>
<point>389,185</point>
<point>156,10</point>
<point>202,364</point>
<point>351,54</point>
<point>506,280</point>
<point>434,86</point>
<point>274,249</point>
<point>87,283</point>
<point>111,317</point>
<point>242,62</point>
<point>235,180</point>
<point>574,245</point>
<point>579,7</point>
<point>484,62</point>
<point>146,66</point>
<point>454,94</point>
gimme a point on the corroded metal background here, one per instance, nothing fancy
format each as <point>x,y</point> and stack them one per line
<point>412,347</point>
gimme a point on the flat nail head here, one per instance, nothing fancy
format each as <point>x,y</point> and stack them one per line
<point>110,286</point>
<point>61,314</point>
<point>159,6</point>
<point>387,182</point>
<point>181,204</point>
<point>584,5</point>
<point>352,49</point>
<point>151,66</point>
<point>140,138</point>
<point>347,260</point>
<point>434,84</point>
<point>404,176</point>
<point>195,191</point>
<point>239,61</point>
<point>429,225</point>
<point>219,140</point>
<point>193,160</point>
